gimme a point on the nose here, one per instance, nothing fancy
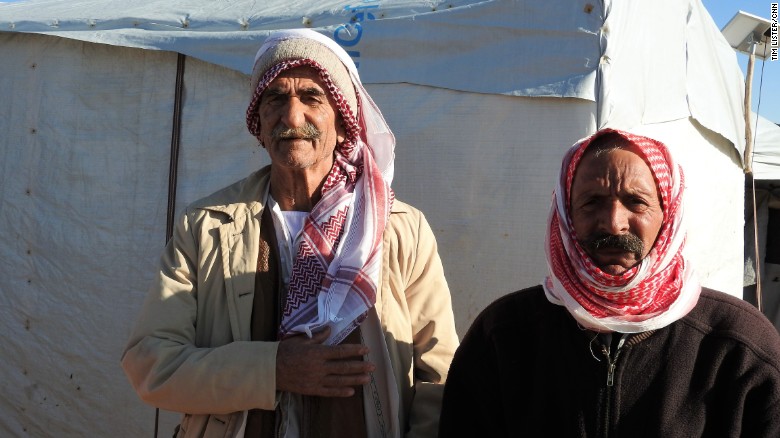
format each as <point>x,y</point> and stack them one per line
<point>614,218</point>
<point>293,115</point>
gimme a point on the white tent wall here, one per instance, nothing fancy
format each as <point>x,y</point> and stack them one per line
<point>216,148</point>
<point>766,148</point>
<point>481,167</point>
<point>82,206</point>
<point>85,134</point>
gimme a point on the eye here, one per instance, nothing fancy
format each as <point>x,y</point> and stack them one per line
<point>637,203</point>
<point>272,98</point>
<point>313,97</point>
<point>587,203</point>
<point>311,100</point>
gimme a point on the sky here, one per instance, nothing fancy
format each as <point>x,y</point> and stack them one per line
<point>766,74</point>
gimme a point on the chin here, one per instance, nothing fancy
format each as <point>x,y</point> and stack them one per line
<point>614,269</point>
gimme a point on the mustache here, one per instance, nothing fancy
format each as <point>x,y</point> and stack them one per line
<point>624,242</point>
<point>307,131</point>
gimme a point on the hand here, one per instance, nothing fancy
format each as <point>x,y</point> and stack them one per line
<point>305,366</point>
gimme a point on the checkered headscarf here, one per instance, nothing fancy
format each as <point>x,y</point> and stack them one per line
<point>654,293</point>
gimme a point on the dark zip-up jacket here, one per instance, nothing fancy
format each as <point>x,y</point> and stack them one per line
<point>526,369</point>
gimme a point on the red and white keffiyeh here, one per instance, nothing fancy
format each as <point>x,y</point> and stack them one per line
<point>658,291</point>
<point>338,255</point>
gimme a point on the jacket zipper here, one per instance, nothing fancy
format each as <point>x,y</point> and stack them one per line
<point>612,360</point>
<point>611,365</point>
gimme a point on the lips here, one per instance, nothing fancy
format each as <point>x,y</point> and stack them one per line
<point>615,252</point>
<point>614,262</point>
<point>614,255</point>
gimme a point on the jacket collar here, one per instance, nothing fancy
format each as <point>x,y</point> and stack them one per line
<point>247,196</point>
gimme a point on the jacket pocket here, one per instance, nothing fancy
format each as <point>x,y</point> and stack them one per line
<point>209,426</point>
<point>221,426</point>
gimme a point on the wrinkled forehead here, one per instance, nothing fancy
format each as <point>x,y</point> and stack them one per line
<point>652,153</point>
<point>615,167</point>
<point>609,142</point>
<point>303,78</point>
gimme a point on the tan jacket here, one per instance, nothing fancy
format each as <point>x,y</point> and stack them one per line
<point>190,350</point>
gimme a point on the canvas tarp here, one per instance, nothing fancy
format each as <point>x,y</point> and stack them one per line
<point>663,58</point>
<point>483,97</point>
<point>766,148</point>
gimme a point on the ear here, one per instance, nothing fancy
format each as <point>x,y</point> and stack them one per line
<point>341,131</point>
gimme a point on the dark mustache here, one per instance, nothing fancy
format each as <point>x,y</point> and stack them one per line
<point>625,242</point>
<point>307,131</point>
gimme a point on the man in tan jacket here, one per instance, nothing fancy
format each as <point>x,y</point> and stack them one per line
<point>303,300</point>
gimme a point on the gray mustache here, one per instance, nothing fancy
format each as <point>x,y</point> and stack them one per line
<point>307,131</point>
<point>625,242</point>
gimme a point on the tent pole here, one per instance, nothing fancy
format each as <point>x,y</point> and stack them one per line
<point>173,171</point>
<point>175,139</point>
<point>755,242</point>
<point>748,166</point>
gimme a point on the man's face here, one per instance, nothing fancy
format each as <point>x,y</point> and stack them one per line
<point>299,123</point>
<point>615,208</point>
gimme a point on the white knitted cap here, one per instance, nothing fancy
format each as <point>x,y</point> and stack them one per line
<point>303,48</point>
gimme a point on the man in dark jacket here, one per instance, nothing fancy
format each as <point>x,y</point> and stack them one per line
<point>620,340</point>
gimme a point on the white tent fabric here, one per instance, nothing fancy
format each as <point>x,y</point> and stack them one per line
<point>766,148</point>
<point>484,98</point>
<point>662,58</point>
<point>378,36</point>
